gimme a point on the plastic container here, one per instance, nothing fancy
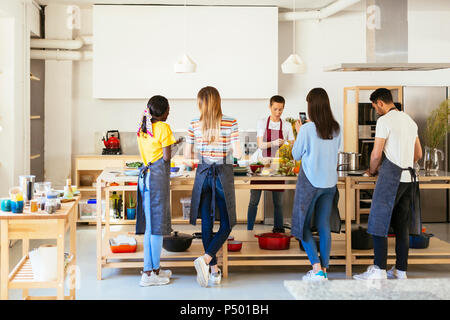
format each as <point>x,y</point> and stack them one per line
<point>123,244</point>
<point>186,204</point>
<point>88,208</point>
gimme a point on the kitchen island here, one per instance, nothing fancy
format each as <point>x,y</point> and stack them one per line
<point>251,254</point>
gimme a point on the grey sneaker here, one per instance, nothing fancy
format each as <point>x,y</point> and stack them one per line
<point>153,280</point>
<point>215,278</point>
<point>372,273</point>
<point>396,274</point>
<point>166,273</point>
<point>202,271</point>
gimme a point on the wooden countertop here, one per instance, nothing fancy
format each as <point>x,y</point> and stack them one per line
<point>27,214</point>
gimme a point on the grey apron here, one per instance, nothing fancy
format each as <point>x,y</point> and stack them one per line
<point>383,200</point>
<point>224,172</point>
<point>304,194</point>
<point>159,198</point>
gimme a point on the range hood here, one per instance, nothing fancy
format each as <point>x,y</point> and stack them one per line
<point>387,40</point>
<point>384,66</point>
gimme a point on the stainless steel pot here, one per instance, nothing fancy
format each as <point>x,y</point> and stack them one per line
<point>348,161</point>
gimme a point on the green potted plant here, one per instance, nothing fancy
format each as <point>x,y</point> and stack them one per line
<point>131,210</point>
<point>436,129</point>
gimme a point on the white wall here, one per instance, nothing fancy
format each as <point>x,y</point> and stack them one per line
<point>340,38</point>
<point>14,93</point>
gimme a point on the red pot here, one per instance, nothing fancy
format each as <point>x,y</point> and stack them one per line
<point>234,245</point>
<point>274,241</point>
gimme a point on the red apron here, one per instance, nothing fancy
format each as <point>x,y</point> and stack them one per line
<point>269,136</point>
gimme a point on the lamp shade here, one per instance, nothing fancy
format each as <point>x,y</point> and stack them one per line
<point>185,65</point>
<point>293,64</point>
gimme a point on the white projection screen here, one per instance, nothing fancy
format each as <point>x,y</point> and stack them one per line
<point>136,47</point>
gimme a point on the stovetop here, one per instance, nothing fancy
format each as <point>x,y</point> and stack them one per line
<point>111,151</point>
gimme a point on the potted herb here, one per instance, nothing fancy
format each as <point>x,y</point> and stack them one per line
<point>436,129</point>
<point>131,210</point>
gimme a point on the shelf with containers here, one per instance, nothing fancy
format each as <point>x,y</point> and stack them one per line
<point>87,168</point>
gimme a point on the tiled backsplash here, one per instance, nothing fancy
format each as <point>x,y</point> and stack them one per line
<point>129,145</point>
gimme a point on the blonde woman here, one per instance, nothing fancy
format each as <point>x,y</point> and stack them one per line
<point>216,137</point>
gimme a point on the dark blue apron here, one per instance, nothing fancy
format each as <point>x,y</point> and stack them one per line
<point>304,194</point>
<point>159,198</point>
<point>384,196</point>
<point>224,172</point>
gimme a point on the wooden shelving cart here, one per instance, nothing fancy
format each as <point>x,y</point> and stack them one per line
<point>38,225</point>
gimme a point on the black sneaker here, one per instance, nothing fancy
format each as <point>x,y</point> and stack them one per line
<point>278,230</point>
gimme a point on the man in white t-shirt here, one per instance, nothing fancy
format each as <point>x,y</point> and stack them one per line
<point>396,137</point>
<point>271,133</point>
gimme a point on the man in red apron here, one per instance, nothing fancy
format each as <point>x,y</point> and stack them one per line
<point>271,134</point>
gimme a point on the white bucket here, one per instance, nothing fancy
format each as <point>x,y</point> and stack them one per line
<point>43,262</point>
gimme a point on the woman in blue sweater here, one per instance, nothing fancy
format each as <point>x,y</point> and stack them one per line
<point>316,146</point>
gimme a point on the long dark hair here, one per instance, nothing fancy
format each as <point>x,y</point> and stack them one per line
<point>319,112</point>
<point>157,106</point>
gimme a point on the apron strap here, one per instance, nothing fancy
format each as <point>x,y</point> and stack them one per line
<point>212,170</point>
<point>415,182</point>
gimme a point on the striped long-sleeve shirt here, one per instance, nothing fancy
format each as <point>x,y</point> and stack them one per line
<point>217,151</point>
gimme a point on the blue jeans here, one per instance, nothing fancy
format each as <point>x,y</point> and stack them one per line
<point>152,243</point>
<point>321,207</point>
<point>212,244</point>
<point>277,197</point>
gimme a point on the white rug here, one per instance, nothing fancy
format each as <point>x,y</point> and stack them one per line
<point>411,289</point>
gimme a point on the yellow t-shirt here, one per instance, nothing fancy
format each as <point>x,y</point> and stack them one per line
<point>151,148</point>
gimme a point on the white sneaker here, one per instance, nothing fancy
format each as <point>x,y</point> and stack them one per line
<point>215,278</point>
<point>372,273</point>
<point>315,276</point>
<point>202,271</point>
<point>153,280</point>
<point>166,273</point>
<point>396,274</point>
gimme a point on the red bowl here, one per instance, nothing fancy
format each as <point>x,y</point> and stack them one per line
<point>255,167</point>
<point>234,245</point>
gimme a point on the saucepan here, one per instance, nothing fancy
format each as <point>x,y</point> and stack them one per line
<point>274,241</point>
<point>348,161</point>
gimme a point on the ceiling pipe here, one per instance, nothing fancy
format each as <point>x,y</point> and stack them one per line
<point>60,55</point>
<point>332,9</point>
<point>61,44</point>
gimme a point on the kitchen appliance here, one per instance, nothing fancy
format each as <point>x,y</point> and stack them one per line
<point>273,241</point>
<point>27,186</point>
<point>112,142</point>
<point>418,103</point>
<point>177,242</point>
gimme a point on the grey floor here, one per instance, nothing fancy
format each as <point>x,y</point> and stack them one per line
<point>243,283</point>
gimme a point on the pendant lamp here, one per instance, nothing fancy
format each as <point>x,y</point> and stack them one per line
<point>293,64</point>
<point>185,64</point>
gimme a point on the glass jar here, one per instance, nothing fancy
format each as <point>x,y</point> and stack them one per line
<point>50,206</point>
